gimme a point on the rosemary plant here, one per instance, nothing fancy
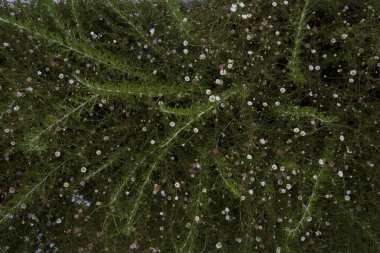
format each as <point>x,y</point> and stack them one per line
<point>189,126</point>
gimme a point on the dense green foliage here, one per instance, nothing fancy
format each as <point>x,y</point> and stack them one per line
<point>205,126</point>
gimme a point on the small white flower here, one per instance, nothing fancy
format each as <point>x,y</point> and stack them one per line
<point>340,173</point>
<point>195,130</point>
<point>177,185</point>
<point>172,124</point>
<point>249,103</point>
<point>233,7</point>
<point>262,141</point>
<point>241,4</point>
<point>282,90</point>
<point>12,190</point>
<point>341,138</point>
<point>262,183</point>
<point>58,221</point>
<point>274,4</point>
<point>152,142</point>
<point>57,153</point>
<point>93,35</point>
<point>208,91</point>
<point>321,162</point>
<point>223,72</point>
<point>353,72</point>
<point>302,133</point>
<point>185,51</point>
<point>218,245</point>
<point>347,198</point>
<point>187,78</point>
<point>16,108</point>
<point>351,80</point>
<point>133,246</point>
<point>296,130</point>
<point>185,43</point>
<point>219,81</point>
<point>344,36</point>
<point>250,192</point>
<point>249,157</point>
<point>311,67</point>
<point>212,98</point>
<point>152,31</point>
<point>98,152</point>
<point>202,56</point>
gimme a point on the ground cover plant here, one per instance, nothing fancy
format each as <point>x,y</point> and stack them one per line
<point>189,126</point>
